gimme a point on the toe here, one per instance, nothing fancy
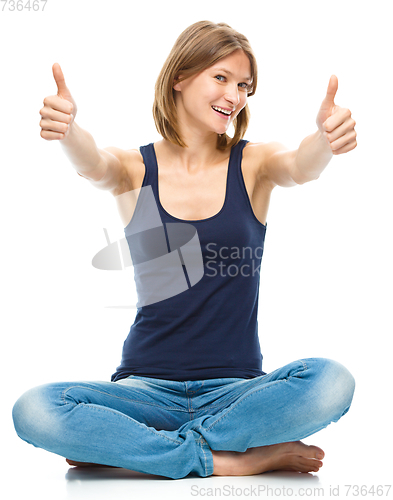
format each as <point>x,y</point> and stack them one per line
<point>316,452</point>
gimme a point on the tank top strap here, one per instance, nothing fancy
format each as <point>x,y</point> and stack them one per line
<point>237,196</point>
<point>151,173</point>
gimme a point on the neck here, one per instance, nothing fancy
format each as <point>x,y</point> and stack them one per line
<point>200,155</point>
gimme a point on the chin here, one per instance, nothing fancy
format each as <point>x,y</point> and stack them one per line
<point>222,131</point>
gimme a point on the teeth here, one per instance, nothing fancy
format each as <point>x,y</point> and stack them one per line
<point>222,110</point>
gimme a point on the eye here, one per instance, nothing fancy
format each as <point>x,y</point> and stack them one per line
<point>243,85</point>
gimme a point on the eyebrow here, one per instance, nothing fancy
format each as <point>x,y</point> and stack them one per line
<point>229,73</point>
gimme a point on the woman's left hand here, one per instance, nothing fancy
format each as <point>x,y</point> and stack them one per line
<point>336,123</point>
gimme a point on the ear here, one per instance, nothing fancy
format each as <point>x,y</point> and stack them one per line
<point>176,85</point>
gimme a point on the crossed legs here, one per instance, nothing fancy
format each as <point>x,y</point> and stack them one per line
<point>238,426</point>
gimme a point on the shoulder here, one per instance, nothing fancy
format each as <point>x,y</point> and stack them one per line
<point>135,168</point>
<point>258,157</point>
<point>132,168</point>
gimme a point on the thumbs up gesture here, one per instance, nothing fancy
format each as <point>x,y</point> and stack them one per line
<point>59,110</point>
<point>336,123</point>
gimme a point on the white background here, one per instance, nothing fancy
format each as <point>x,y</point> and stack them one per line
<point>326,272</point>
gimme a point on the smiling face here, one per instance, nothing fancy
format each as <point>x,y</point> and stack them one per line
<point>221,86</point>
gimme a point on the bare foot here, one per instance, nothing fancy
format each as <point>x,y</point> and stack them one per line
<point>293,456</point>
<point>86,464</point>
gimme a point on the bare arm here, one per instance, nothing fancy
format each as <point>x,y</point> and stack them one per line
<point>104,168</point>
<point>313,156</point>
<point>83,153</point>
<point>335,135</point>
<point>298,166</point>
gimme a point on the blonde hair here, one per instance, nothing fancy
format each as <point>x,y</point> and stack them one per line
<point>199,46</point>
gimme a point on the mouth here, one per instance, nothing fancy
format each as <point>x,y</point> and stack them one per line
<point>222,112</point>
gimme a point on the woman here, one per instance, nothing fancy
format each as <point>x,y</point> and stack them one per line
<point>190,396</point>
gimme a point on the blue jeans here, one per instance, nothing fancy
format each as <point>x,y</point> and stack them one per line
<point>169,428</point>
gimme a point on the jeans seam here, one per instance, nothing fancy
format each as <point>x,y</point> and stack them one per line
<point>243,399</point>
<point>199,443</point>
<point>215,405</point>
<point>204,457</point>
<point>199,388</point>
<point>202,442</point>
<point>67,402</point>
<point>189,405</point>
<point>173,408</point>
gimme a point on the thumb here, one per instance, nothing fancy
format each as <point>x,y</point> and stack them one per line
<point>331,91</point>
<point>62,89</point>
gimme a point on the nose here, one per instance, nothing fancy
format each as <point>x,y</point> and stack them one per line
<point>232,95</point>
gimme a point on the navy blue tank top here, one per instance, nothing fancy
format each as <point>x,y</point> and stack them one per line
<point>199,322</point>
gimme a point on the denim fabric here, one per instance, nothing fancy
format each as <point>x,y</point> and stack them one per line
<point>169,428</point>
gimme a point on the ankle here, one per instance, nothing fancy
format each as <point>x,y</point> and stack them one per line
<point>223,462</point>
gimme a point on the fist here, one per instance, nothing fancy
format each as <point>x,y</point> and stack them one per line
<point>59,110</point>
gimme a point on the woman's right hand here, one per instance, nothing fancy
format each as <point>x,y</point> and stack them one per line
<point>59,110</point>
